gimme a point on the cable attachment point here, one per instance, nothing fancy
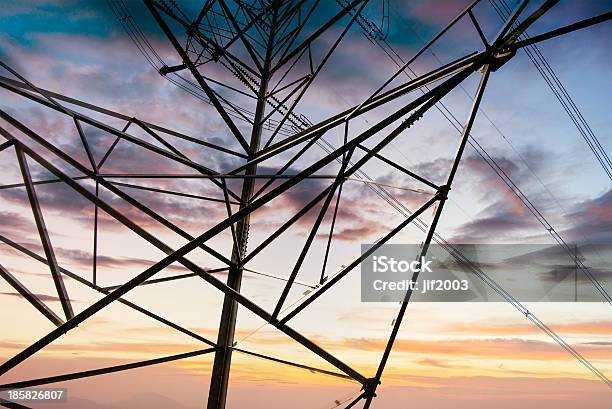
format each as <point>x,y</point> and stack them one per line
<point>500,57</point>
<point>443,191</point>
<point>369,388</point>
<point>165,70</point>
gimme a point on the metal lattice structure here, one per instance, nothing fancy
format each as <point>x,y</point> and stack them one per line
<point>268,48</point>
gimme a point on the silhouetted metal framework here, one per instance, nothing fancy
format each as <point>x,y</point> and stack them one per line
<point>268,47</point>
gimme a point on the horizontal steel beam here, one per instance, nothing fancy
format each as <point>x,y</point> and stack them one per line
<point>564,30</point>
<point>294,364</point>
<point>103,371</point>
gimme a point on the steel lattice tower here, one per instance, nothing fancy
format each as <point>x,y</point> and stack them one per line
<point>268,47</point>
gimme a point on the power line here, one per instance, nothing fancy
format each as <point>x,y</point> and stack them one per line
<point>561,93</point>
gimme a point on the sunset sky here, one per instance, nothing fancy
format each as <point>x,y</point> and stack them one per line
<point>447,354</point>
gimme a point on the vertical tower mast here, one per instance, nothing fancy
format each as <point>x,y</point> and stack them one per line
<point>223,357</point>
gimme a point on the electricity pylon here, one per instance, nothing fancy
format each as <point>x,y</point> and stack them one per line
<point>272,51</point>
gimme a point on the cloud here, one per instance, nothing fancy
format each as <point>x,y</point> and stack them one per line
<point>143,347</point>
<point>497,348</point>
<point>505,215</point>
<point>591,220</point>
<point>41,297</point>
<point>439,364</point>
<point>497,220</point>
<point>355,219</point>
<point>84,259</point>
<point>356,234</point>
<point>442,13</point>
<point>584,327</point>
<point>13,221</point>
